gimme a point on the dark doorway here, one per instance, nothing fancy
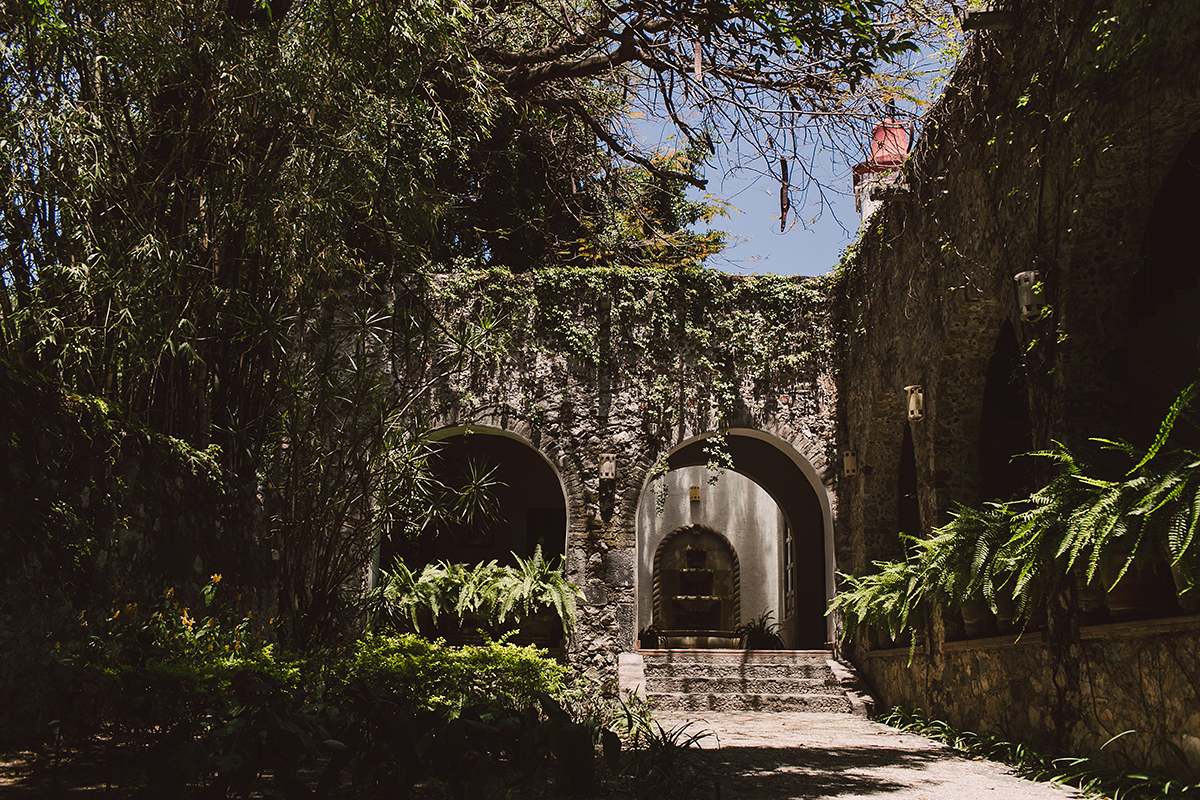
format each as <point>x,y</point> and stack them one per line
<point>529,502</point>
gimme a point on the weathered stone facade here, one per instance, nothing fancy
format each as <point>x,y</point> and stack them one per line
<point>1064,145</point>
<point>641,365</point>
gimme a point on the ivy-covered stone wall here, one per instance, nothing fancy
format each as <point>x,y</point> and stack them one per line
<point>1061,146</point>
<point>632,363</point>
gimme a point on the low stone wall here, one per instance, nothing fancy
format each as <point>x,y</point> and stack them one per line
<point>1136,676</point>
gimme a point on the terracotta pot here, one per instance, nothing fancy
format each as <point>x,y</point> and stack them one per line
<point>978,619</point>
<point>1006,613</point>
<point>1190,602</point>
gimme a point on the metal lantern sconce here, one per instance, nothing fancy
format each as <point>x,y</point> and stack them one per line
<point>694,494</point>
<point>849,464</point>
<point>916,402</point>
<point>608,466</point>
<point>1028,300</point>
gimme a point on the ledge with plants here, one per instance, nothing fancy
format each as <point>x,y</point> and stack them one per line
<point>1112,517</point>
<point>532,601</point>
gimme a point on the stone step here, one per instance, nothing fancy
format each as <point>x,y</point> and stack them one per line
<point>818,657</point>
<point>690,684</point>
<point>670,701</point>
<point>746,671</point>
<point>739,680</point>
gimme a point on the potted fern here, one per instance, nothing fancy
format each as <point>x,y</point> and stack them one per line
<point>1139,526</point>
<point>455,600</point>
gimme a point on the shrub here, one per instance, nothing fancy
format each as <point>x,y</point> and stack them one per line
<point>431,676</point>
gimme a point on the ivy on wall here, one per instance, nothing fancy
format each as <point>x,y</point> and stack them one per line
<point>693,345</point>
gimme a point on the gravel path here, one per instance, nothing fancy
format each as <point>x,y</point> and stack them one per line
<point>790,755</point>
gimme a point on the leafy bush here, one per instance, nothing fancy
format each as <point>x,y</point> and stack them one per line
<point>406,600</point>
<point>431,676</point>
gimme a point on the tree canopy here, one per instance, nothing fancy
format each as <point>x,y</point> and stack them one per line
<point>204,200</point>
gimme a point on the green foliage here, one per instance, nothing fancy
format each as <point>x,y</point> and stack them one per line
<point>662,762</point>
<point>425,675</point>
<point>75,465</point>
<point>197,651</point>
<point>495,593</point>
<point>885,598</point>
<point>760,633</point>
<point>1129,509</point>
<point>1092,778</point>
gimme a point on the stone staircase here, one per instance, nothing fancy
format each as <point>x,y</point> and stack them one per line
<point>743,680</point>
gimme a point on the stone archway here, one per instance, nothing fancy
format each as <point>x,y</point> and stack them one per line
<point>790,546</point>
<point>529,497</point>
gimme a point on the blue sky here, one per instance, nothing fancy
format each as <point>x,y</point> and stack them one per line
<point>821,223</point>
<point>816,234</point>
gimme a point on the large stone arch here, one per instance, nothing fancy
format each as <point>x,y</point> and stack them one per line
<point>765,457</point>
<point>531,494</point>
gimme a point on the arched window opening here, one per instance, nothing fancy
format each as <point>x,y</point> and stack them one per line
<point>909,512</point>
<point>1162,341</point>
<point>521,507</point>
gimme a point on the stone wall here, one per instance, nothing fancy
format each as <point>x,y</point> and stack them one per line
<point>1060,145</point>
<point>1139,679</point>
<point>636,364</point>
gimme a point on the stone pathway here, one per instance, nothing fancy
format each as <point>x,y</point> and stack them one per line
<point>794,755</point>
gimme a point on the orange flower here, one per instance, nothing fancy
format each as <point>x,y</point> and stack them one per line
<point>216,578</point>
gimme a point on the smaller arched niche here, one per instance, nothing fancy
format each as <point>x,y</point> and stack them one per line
<point>697,588</point>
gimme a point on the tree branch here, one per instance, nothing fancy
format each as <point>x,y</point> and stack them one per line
<point>577,108</point>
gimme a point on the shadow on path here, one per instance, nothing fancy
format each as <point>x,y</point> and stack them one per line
<point>820,772</point>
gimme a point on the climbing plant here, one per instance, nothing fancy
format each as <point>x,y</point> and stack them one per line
<point>691,345</point>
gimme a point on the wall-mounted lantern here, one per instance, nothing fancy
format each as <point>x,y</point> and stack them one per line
<point>849,464</point>
<point>608,466</point>
<point>988,19</point>
<point>916,402</point>
<point>694,494</point>
<point>1029,300</point>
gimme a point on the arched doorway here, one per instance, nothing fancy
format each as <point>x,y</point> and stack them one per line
<point>775,511</point>
<point>528,504</point>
